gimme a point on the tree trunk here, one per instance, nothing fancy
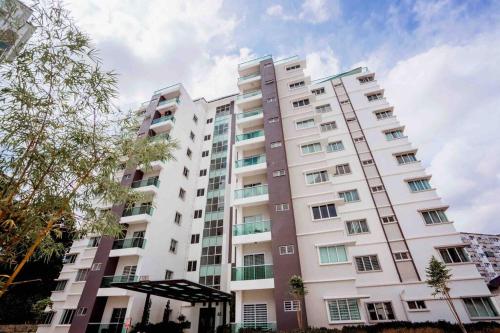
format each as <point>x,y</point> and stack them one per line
<point>454,311</point>
<point>299,318</point>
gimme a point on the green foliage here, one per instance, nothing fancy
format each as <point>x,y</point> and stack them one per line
<point>438,276</point>
<point>297,287</point>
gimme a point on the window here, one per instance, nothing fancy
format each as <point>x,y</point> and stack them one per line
<point>205,153</point>
<point>329,126</point>
<point>311,148</point>
<point>282,207</point>
<point>286,249</point>
<point>378,188</point>
<point>210,120</point>
<point>198,213</point>
<point>357,227</point>
<point>191,266</point>
<point>323,108</point>
<point>480,307</point>
<point>343,309</point>
<point>81,275</point>
<point>206,137</point>
<point>303,124</point>
<point>319,91</point>
<point>97,266</point>
<point>195,119</point>
<point>292,67</point>
<point>279,173</point>
<point>367,263</point>
<point>67,316</point>
<point>173,246</point>
<point>189,153</point>
<point>366,79</point>
<point>169,275</point>
<point>129,270</point>
<point>316,177</point>
<point>416,305</point>
<point>368,162</point>
<point>254,315</point>
<point>195,238</point>
<point>401,256</point>
<point>332,254</point>
<point>182,193</point>
<point>349,196</point>
<point>191,135</point>
<point>380,311</point>
<point>47,317</point>
<point>269,81</point>
<point>70,258</point>
<point>389,219</point>
<point>270,100</point>
<point>94,241</point>
<point>203,172</point>
<point>405,158</point>
<point>419,185</point>
<point>384,114</point>
<point>185,172</point>
<point>345,102</point>
<point>453,255</point>
<point>435,216</point>
<point>394,134</point>
<point>342,169</point>
<point>200,192</point>
<point>324,211</point>
<point>60,285</point>
<point>81,311</point>
<point>375,97</point>
<point>222,109</point>
<point>301,103</point>
<point>291,306</point>
<point>296,85</point>
<point>177,218</point>
<point>359,139</point>
<point>334,146</point>
<point>273,120</point>
<point>275,144</point>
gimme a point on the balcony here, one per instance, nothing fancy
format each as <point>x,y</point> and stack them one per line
<point>159,137</point>
<point>250,140</point>
<point>252,64</point>
<point>250,81</point>
<point>250,118</point>
<point>108,280</point>
<point>252,232</point>
<point>250,99</point>
<point>251,196</point>
<point>252,277</point>
<point>140,214</point>
<point>261,327</point>
<point>175,88</point>
<point>149,185</point>
<point>162,124</point>
<point>105,328</point>
<point>171,103</point>
<point>128,247</point>
<point>250,166</point>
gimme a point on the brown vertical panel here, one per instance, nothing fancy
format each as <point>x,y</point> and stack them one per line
<point>282,223</point>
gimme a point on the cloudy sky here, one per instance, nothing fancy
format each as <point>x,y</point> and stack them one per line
<point>438,60</point>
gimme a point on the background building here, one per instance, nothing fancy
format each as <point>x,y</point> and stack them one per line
<point>484,251</point>
<point>289,177</point>
<point>15,29</point>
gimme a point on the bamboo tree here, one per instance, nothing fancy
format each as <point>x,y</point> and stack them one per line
<point>438,277</point>
<point>62,143</point>
<point>298,291</point>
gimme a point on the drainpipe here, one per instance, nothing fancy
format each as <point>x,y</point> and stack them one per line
<point>403,303</point>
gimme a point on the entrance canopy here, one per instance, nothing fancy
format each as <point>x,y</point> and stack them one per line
<point>181,289</point>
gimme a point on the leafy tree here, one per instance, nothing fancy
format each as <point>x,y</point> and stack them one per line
<point>298,291</point>
<point>62,143</point>
<point>438,277</point>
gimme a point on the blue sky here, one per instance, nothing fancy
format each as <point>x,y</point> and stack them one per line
<point>438,61</point>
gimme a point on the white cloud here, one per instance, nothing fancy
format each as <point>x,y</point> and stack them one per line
<point>312,11</point>
<point>322,63</point>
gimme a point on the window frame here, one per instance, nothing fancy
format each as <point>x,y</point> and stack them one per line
<point>335,246</point>
<point>384,308</point>
<point>358,305</point>
<point>319,205</point>
<point>370,256</point>
<point>314,144</point>
<point>359,223</point>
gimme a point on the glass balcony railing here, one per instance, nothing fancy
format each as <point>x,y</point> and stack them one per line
<point>171,88</point>
<point>249,94</point>
<point>252,272</point>
<point>253,61</point>
<point>250,135</point>
<point>162,119</point>
<point>260,327</point>
<point>159,137</point>
<point>249,228</point>
<point>108,280</point>
<point>246,77</point>
<point>168,101</point>
<point>104,328</point>
<point>127,243</point>
<point>252,160</point>
<point>138,211</point>
<point>250,191</point>
<point>250,113</point>
<point>146,182</point>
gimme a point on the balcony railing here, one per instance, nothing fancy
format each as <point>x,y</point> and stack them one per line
<point>246,77</point>
<point>167,101</point>
<point>250,135</point>
<point>252,272</point>
<point>250,191</point>
<point>252,160</point>
<point>250,113</point>
<point>138,210</point>
<point>146,182</point>
<point>253,61</point>
<point>159,137</point>
<point>104,328</point>
<point>169,88</point>
<point>249,228</point>
<point>162,119</point>
<point>249,94</point>
<point>261,327</point>
<point>108,280</point>
<point>127,243</point>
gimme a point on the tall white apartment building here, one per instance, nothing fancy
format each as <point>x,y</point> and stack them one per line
<point>288,177</point>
